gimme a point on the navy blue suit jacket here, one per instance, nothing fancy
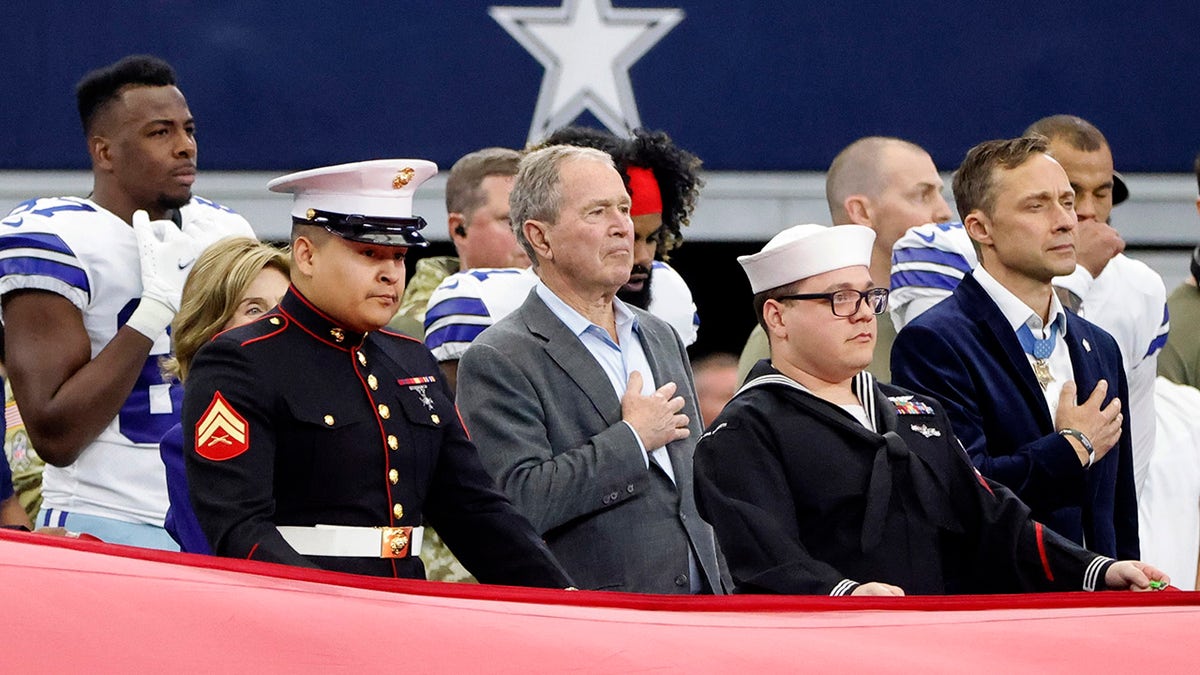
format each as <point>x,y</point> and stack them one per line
<point>965,353</point>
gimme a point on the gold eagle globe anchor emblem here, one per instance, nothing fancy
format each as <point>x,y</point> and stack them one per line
<point>403,177</point>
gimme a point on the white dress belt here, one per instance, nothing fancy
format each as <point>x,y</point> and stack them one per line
<point>343,541</point>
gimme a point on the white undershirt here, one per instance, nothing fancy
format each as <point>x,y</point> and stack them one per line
<point>1017,313</point>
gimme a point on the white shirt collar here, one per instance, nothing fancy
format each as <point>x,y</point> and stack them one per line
<point>577,323</point>
<point>1015,311</point>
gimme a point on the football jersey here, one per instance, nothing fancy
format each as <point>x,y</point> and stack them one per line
<point>1128,299</point>
<point>75,248</point>
<point>927,264</point>
<point>466,303</point>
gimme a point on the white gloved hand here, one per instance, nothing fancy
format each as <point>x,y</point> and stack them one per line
<point>166,254</point>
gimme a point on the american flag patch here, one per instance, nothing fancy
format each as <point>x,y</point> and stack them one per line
<point>427,379</point>
<point>12,416</point>
<point>906,406</point>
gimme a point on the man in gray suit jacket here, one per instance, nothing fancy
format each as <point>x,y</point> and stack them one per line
<point>582,407</point>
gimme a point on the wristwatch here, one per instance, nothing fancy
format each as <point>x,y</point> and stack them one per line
<point>1087,445</point>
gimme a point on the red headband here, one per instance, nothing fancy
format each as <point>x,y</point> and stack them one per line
<point>643,188</point>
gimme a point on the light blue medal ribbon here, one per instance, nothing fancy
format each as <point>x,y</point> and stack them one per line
<point>1040,349</point>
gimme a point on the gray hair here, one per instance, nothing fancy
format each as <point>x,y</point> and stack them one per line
<point>536,193</point>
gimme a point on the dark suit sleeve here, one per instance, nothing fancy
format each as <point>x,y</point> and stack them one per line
<point>742,491</point>
<point>1045,472</point>
<point>1012,553</point>
<point>234,498</point>
<point>1026,556</point>
<point>483,529</point>
<point>507,418</point>
<point>687,389</point>
<point>1125,509</point>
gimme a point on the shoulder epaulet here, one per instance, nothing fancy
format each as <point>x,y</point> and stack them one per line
<point>267,326</point>
<point>392,333</point>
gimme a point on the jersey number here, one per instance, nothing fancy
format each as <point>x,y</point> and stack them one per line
<point>153,407</point>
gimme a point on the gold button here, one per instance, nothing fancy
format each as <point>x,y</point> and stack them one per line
<point>338,334</point>
<point>398,511</point>
<point>372,382</point>
<point>435,419</point>
<point>274,320</point>
<point>384,411</point>
<point>393,476</point>
<point>393,442</point>
<point>329,420</point>
<point>362,358</point>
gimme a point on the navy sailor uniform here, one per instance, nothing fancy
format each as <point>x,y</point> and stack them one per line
<point>805,499</point>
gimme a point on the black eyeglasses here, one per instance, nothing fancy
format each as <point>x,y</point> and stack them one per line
<point>846,302</point>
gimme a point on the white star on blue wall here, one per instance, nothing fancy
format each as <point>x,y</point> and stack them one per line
<point>587,48</point>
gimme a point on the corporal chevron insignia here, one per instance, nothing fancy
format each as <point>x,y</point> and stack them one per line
<point>221,433</point>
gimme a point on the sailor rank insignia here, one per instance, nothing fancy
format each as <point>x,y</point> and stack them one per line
<point>926,431</point>
<point>905,405</point>
<point>221,433</point>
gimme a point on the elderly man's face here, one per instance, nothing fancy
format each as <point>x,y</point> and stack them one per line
<point>591,243</point>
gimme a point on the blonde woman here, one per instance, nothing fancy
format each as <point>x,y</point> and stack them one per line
<point>234,282</point>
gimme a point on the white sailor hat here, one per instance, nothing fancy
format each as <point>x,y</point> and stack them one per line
<point>369,202</point>
<point>803,251</point>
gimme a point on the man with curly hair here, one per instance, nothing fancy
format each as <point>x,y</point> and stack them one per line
<point>663,181</point>
<point>666,180</point>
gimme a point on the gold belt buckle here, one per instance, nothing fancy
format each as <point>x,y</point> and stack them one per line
<point>394,542</point>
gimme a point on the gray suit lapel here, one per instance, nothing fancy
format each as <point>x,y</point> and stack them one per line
<point>661,347</point>
<point>565,349</point>
<point>657,347</point>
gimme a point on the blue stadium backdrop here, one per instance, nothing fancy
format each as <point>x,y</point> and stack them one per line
<point>747,86</point>
<point>750,85</point>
